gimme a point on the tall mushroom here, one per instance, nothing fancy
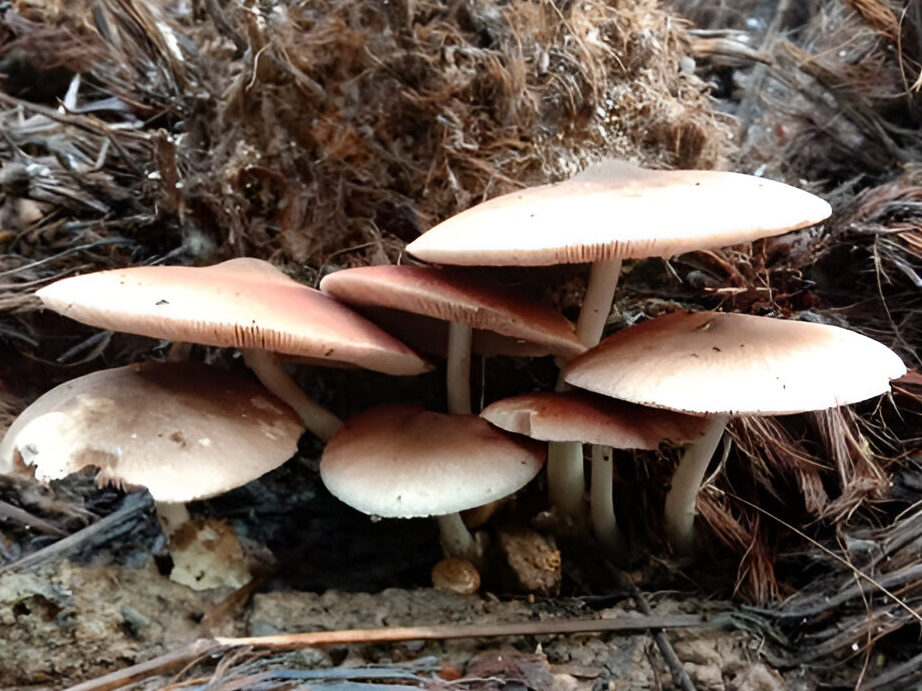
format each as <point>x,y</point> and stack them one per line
<point>241,303</point>
<point>400,461</point>
<point>609,212</point>
<point>184,431</point>
<point>717,364</point>
<point>463,301</point>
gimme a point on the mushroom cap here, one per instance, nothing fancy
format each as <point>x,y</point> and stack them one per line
<point>184,431</point>
<point>241,303</point>
<point>455,296</point>
<point>579,416</point>
<point>430,335</point>
<point>716,363</point>
<point>400,461</point>
<point>617,210</point>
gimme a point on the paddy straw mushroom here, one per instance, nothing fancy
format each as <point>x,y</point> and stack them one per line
<point>719,365</point>
<point>613,211</point>
<point>401,461</point>
<point>466,303</point>
<point>184,431</point>
<point>243,303</point>
<point>582,417</point>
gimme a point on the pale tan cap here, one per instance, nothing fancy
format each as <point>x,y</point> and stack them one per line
<point>715,363</point>
<point>241,303</point>
<point>184,431</point>
<point>579,416</point>
<point>400,461</point>
<point>455,296</point>
<point>617,210</point>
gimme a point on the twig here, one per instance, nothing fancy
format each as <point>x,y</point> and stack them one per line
<point>679,676</point>
<point>14,513</point>
<point>164,663</point>
<point>112,525</point>
<point>295,641</point>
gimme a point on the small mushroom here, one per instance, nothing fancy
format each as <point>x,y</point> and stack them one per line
<point>463,301</point>
<point>716,364</point>
<point>581,417</point>
<point>184,431</point>
<point>400,461</point>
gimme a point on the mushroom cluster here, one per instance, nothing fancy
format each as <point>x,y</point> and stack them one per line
<point>675,379</point>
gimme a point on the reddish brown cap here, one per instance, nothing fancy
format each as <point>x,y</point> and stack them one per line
<point>583,417</point>
<point>184,431</point>
<point>241,303</point>
<point>401,461</point>
<point>715,363</point>
<point>617,210</point>
<point>456,296</point>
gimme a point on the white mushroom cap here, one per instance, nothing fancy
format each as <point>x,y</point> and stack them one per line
<point>184,431</point>
<point>716,363</point>
<point>579,416</point>
<point>400,461</point>
<point>617,210</point>
<point>241,303</point>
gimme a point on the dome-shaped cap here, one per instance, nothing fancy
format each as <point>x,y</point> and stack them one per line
<point>241,303</point>
<point>184,431</point>
<point>456,296</point>
<point>400,461</point>
<point>616,210</point>
<point>716,363</point>
<point>579,416</point>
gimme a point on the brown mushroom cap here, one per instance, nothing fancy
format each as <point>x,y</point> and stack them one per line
<point>401,461</point>
<point>184,431</point>
<point>617,210</point>
<point>454,296</point>
<point>578,416</point>
<point>241,303</point>
<point>715,363</point>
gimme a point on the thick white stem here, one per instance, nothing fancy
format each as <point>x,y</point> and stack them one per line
<point>601,504</point>
<point>457,540</point>
<point>458,369</point>
<point>316,418</point>
<point>600,293</point>
<point>686,481</point>
<point>566,479</point>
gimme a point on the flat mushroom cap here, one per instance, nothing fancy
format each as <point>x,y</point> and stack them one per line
<point>184,431</point>
<point>716,363</point>
<point>453,296</point>
<point>579,416</point>
<point>617,210</point>
<point>400,461</point>
<point>241,303</point>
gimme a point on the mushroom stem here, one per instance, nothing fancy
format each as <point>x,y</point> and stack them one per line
<point>565,478</point>
<point>457,540</point>
<point>601,504</point>
<point>565,459</point>
<point>316,418</point>
<point>600,293</point>
<point>171,515</point>
<point>458,375</point>
<point>686,481</point>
